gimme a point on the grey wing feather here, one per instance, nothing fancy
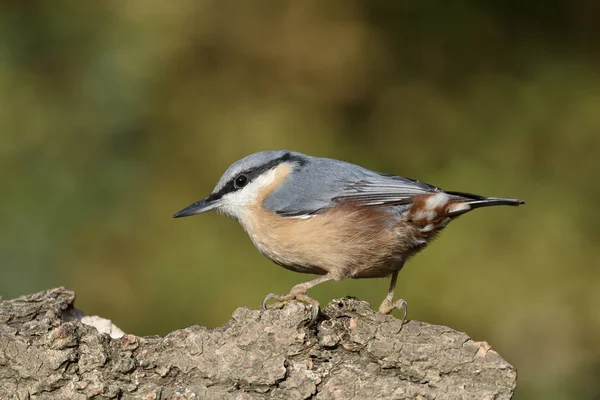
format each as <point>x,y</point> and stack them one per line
<point>385,189</point>
<point>322,182</point>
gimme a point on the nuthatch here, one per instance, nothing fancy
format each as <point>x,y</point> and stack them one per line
<point>334,219</point>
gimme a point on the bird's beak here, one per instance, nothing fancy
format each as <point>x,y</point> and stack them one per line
<point>199,207</point>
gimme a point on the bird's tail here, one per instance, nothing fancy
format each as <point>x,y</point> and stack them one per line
<point>472,201</point>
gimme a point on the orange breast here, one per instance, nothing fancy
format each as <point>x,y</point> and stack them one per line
<point>346,240</point>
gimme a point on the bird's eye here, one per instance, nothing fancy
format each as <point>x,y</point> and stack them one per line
<point>241,181</point>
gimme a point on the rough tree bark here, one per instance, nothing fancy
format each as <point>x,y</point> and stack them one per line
<point>46,352</point>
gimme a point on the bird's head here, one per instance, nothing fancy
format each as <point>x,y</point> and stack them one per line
<point>244,183</point>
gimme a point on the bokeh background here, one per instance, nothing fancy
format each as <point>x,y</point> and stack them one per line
<point>116,114</point>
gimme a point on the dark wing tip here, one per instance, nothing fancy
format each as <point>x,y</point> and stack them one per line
<point>506,201</point>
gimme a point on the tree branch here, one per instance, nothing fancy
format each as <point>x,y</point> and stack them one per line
<point>46,352</point>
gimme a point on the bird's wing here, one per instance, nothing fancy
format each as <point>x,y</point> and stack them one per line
<point>384,189</point>
<point>323,183</point>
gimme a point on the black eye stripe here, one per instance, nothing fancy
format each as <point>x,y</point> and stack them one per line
<point>253,173</point>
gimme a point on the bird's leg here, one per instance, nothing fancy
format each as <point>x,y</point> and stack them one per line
<point>298,292</point>
<point>388,306</point>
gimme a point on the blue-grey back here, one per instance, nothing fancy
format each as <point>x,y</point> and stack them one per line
<point>316,184</point>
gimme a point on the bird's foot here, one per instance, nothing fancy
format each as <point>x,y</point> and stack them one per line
<point>387,307</point>
<point>282,299</point>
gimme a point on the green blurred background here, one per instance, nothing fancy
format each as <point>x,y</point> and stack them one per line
<point>116,114</point>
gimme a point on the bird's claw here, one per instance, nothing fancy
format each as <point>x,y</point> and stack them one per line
<point>263,305</point>
<point>387,307</point>
<point>284,298</point>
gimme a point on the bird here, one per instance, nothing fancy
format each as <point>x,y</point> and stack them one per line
<point>333,218</point>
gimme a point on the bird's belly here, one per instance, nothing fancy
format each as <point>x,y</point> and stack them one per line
<point>293,261</point>
<point>346,243</point>
<point>374,256</point>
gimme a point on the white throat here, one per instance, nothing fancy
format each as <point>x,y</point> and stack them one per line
<point>239,204</point>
